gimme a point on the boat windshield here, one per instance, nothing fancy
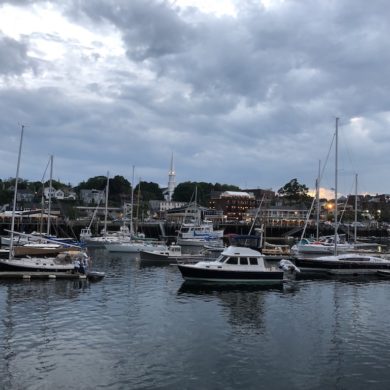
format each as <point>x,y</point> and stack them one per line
<point>222,259</point>
<point>232,260</point>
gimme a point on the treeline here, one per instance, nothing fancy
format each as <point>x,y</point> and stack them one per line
<point>119,189</point>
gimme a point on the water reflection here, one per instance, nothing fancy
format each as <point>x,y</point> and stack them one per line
<point>206,288</point>
<point>244,304</point>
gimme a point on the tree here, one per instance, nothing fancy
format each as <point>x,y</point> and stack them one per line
<point>119,188</point>
<point>93,183</point>
<point>294,191</point>
<point>185,192</point>
<point>149,191</point>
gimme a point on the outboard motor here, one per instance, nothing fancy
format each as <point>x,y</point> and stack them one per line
<point>289,268</point>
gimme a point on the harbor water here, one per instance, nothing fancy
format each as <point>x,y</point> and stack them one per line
<point>143,328</point>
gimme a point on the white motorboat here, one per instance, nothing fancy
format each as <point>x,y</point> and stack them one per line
<point>171,254</point>
<point>238,265</point>
<point>198,233</point>
<point>135,246</point>
<point>343,264</point>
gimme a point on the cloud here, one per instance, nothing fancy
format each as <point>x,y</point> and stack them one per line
<point>246,97</point>
<point>13,57</point>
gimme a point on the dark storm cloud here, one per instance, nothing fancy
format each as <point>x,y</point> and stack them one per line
<point>303,50</point>
<point>150,28</point>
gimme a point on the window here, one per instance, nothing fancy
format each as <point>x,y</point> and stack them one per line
<point>244,261</point>
<point>232,260</point>
<point>222,259</point>
<point>252,261</point>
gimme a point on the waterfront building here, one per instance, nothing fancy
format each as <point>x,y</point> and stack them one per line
<point>279,215</point>
<point>60,194</point>
<point>233,204</point>
<point>25,196</point>
<point>159,208</point>
<point>193,212</point>
<point>92,196</point>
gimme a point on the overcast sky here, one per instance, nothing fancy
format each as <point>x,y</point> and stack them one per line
<point>242,92</point>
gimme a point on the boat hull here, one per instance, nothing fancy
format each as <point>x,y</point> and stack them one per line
<point>341,267</point>
<point>34,266</point>
<point>133,247</point>
<point>165,258</point>
<point>192,273</point>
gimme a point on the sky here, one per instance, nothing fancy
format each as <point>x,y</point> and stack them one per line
<point>242,92</point>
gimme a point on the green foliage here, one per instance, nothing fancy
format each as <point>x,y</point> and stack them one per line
<point>54,183</point>
<point>93,183</point>
<point>148,191</point>
<point>185,192</point>
<point>294,191</point>
<point>6,197</point>
<point>119,188</point>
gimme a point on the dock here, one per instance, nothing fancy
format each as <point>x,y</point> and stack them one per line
<point>41,275</point>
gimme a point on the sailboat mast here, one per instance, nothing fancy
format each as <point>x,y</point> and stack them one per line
<point>138,199</point>
<point>335,186</point>
<point>132,203</point>
<point>15,192</point>
<point>50,193</point>
<point>106,206</point>
<point>318,199</point>
<point>356,191</point>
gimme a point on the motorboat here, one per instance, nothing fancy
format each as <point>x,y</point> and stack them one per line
<point>170,255</point>
<point>343,264</point>
<point>239,265</point>
<point>198,233</point>
<point>94,276</point>
<point>135,246</point>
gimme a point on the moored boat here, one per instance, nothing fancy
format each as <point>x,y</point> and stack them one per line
<point>135,246</point>
<point>170,255</point>
<point>343,264</point>
<point>63,262</point>
<point>238,265</point>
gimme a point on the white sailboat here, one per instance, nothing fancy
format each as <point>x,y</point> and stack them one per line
<point>344,263</point>
<point>63,262</point>
<point>134,243</point>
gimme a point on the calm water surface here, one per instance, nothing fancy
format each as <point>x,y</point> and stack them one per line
<point>143,328</point>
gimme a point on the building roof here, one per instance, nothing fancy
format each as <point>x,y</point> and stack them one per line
<point>237,193</point>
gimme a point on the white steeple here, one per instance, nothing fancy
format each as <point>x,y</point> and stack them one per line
<point>171,180</point>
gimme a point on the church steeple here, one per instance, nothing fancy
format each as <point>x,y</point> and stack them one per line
<point>171,180</point>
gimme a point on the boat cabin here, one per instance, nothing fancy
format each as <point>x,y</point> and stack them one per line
<point>239,260</point>
<point>240,257</point>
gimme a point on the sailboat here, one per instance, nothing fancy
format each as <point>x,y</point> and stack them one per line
<point>106,237</point>
<point>63,262</point>
<point>134,243</point>
<point>345,263</point>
